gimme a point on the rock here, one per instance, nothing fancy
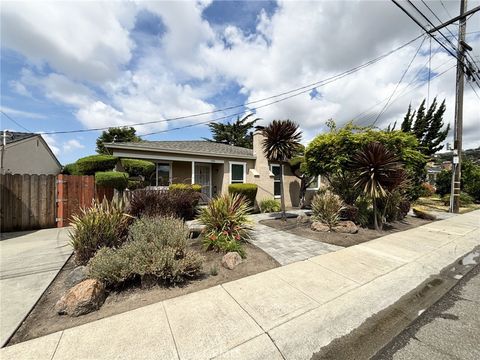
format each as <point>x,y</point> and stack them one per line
<point>83,298</point>
<point>231,259</point>
<point>423,214</point>
<point>76,276</point>
<point>302,219</point>
<point>319,226</point>
<point>346,227</point>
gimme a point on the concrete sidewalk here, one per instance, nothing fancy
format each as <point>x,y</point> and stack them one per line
<point>30,260</point>
<point>289,312</point>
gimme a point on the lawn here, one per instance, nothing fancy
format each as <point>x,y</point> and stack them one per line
<point>435,203</point>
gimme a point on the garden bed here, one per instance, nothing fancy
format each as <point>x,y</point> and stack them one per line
<point>43,319</point>
<point>341,239</point>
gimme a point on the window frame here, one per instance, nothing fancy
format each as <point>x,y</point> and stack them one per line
<point>170,171</point>
<point>244,164</point>
<point>274,180</point>
<point>319,179</point>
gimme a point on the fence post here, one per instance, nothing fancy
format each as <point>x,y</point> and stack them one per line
<point>60,200</point>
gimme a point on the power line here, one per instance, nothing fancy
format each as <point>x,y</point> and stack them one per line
<point>14,121</point>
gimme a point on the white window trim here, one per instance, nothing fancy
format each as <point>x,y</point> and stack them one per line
<point>281,172</point>
<point>319,179</point>
<point>244,164</point>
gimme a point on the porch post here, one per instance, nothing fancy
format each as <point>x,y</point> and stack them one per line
<point>193,172</point>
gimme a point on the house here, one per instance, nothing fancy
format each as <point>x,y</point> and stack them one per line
<point>27,153</point>
<point>214,166</point>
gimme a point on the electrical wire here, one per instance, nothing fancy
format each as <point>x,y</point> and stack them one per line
<point>14,121</point>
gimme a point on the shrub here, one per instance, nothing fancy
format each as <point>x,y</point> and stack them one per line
<point>365,211</point>
<point>269,205</point>
<point>135,167</point>
<point>179,203</point>
<point>393,206</point>
<point>70,169</point>
<point>349,212</point>
<point>105,224</point>
<point>134,184</point>
<point>194,187</point>
<point>249,191</point>
<point>112,179</point>
<point>91,164</point>
<point>156,250</point>
<point>326,208</point>
<point>465,199</point>
<point>226,219</point>
<point>427,189</point>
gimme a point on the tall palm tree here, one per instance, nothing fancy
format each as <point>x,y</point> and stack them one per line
<point>379,172</point>
<point>281,141</point>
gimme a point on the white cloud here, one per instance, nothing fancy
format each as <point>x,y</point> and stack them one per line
<point>52,143</point>
<point>72,144</point>
<point>21,113</point>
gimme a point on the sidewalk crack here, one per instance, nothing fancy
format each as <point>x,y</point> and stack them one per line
<point>171,331</point>
<point>56,347</point>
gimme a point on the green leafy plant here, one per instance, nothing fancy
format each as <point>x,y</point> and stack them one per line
<point>156,250</point>
<point>249,191</point>
<point>112,179</point>
<point>89,165</point>
<point>326,208</point>
<point>70,169</point>
<point>194,187</point>
<point>135,167</point>
<point>469,182</point>
<point>269,205</point>
<point>226,223</point>
<point>465,199</point>
<point>104,224</point>
<point>213,270</point>
<point>427,189</point>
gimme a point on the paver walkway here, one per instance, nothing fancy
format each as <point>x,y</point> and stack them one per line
<point>30,260</point>
<point>285,247</point>
<point>289,312</point>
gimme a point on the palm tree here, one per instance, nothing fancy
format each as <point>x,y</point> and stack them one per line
<point>280,143</point>
<point>379,172</point>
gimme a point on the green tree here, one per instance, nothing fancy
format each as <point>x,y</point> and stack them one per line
<point>280,143</point>
<point>118,135</point>
<point>237,133</point>
<point>427,126</point>
<point>298,166</point>
<point>469,182</point>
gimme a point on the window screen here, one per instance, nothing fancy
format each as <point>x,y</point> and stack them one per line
<point>238,171</point>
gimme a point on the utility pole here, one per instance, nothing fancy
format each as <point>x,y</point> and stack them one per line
<point>458,126</point>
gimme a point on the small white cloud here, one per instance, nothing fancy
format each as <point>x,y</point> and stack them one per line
<point>72,144</point>
<point>22,113</point>
<point>52,143</point>
<point>19,88</point>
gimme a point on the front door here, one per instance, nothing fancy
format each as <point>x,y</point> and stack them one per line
<point>203,177</point>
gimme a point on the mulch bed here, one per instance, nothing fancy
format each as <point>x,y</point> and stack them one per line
<point>43,320</point>
<point>340,239</point>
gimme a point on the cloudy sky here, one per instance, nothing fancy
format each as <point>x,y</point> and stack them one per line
<point>79,65</point>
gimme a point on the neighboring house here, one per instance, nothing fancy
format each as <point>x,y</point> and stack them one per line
<point>214,166</point>
<point>27,153</point>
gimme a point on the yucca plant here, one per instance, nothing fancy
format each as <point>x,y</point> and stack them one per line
<point>379,171</point>
<point>281,142</point>
<point>326,208</point>
<point>104,224</point>
<point>226,223</point>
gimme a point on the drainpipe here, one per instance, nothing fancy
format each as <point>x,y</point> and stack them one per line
<point>4,143</point>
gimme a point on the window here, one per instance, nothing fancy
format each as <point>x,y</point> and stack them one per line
<point>277,178</point>
<point>162,175</point>
<point>315,184</point>
<point>237,173</point>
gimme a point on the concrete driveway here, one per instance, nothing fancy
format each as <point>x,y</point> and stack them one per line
<point>30,260</point>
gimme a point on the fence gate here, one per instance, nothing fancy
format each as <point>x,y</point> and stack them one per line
<point>27,202</point>
<point>73,193</point>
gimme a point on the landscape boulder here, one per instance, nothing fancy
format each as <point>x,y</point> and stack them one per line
<point>346,227</point>
<point>76,276</point>
<point>81,299</point>
<point>302,219</point>
<point>231,259</point>
<point>319,226</point>
<point>423,214</point>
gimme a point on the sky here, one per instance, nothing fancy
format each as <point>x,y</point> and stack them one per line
<point>68,66</point>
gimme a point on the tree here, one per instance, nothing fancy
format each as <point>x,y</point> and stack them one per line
<point>237,133</point>
<point>427,126</point>
<point>379,171</point>
<point>299,169</point>
<point>470,180</point>
<point>280,143</point>
<point>118,135</point>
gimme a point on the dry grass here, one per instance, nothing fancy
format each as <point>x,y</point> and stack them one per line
<point>434,203</point>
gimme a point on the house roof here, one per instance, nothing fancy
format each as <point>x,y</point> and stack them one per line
<point>14,136</point>
<point>193,147</point>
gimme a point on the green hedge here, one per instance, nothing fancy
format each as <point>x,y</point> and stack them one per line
<point>113,179</point>
<point>135,167</point>
<point>247,190</point>
<point>91,164</point>
<point>194,187</point>
<point>70,169</point>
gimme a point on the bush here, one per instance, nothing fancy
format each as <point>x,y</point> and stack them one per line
<point>394,206</point>
<point>179,203</point>
<point>269,205</point>
<point>112,179</point>
<point>349,212</point>
<point>427,189</point>
<point>194,187</point>
<point>156,250</point>
<point>249,191</point>
<point>105,224</point>
<point>135,167</point>
<point>326,208</point>
<point>70,169</point>
<point>226,219</point>
<point>365,211</point>
<point>91,164</point>
<point>465,199</point>
<point>134,184</point>
<point>443,183</point>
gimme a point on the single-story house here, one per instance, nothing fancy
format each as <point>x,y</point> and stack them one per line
<point>27,153</point>
<point>214,166</point>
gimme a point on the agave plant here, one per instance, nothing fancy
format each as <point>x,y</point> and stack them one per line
<point>379,172</point>
<point>281,142</point>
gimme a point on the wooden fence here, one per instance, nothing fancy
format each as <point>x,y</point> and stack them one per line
<point>27,202</point>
